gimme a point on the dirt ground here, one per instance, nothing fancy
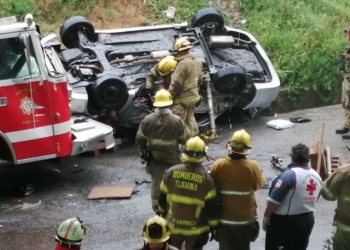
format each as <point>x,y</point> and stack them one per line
<point>117,224</point>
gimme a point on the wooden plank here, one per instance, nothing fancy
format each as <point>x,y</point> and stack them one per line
<point>329,164</point>
<point>110,192</point>
<point>320,150</point>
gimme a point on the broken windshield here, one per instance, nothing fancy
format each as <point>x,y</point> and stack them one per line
<point>13,63</point>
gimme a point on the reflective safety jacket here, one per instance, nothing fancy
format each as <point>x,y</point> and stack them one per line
<point>189,198</point>
<point>236,180</point>
<point>153,75</point>
<point>162,133</point>
<point>186,80</point>
<point>337,187</point>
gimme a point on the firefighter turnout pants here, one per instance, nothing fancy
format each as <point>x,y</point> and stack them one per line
<point>186,113</point>
<point>292,232</point>
<point>234,237</point>
<point>156,170</point>
<point>196,242</point>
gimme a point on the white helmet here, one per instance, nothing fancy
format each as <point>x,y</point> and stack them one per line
<point>70,232</point>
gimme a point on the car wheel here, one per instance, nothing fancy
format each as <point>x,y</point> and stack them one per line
<point>69,31</point>
<point>110,92</point>
<point>208,17</point>
<point>230,79</point>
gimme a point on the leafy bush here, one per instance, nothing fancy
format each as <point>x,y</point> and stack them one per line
<point>303,39</point>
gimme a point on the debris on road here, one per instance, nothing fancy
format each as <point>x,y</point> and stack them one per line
<point>110,192</point>
<point>1,226</point>
<point>280,124</point>
<point>170,12</point>
<point>26,189</point>
<point>30,205</point>
<point>300,120</point>
<point>142,182</point>
<point>16,205</point>
<point>55,170</point>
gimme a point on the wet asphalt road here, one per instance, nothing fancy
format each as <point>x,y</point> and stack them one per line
<point>117,224</point>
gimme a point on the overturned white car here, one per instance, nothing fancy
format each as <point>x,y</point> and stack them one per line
<point>105,68</point>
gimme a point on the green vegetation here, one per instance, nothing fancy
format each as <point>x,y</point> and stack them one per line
<point>303,39</point>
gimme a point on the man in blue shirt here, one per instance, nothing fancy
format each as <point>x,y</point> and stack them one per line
<point>289,219</point>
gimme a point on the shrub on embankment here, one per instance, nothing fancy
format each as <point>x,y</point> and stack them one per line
<point>304,40</point>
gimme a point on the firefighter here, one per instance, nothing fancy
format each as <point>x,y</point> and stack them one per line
<point>159,137</point>
<point>163,69</point>
<point>236,179</point>
<point>70,234</point>
<point>189,200</point>
<point>337,187</point>
<point>185,84</point>
<point>289,216</point>
<point>156,235</point>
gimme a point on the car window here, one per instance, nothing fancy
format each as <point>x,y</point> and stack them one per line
<point>13,60</point>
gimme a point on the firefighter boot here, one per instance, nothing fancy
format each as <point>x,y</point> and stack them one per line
<point>342,130</point>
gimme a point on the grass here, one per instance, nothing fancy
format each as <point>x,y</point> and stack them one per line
<point>303,38</point>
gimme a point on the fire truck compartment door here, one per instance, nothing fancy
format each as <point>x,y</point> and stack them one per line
<point>88,134</point>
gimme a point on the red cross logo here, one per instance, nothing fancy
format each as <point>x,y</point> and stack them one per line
<point>311,187</point>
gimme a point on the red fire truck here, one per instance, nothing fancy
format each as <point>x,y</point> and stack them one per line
<point>35,119</point>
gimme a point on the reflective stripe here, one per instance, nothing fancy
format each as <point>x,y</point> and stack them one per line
<point>328,192</point>
<point>231,192</point>
<point>184,200</point>
<point>345,198</point>
<point>231,222</point>
<point>188,201</point>
<point>164,188</point>
<point>189,99</point>
<point>39,132</point>
<point>188,232</point>
<point>343,227</point>
<point>163,142</point>
<point>213,223</point>
<point>210,194</point>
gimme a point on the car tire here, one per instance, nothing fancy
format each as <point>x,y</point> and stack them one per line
<point>208,15</point>
<point>230,79</point>
<point>69,31</point>
<point>110,92</point>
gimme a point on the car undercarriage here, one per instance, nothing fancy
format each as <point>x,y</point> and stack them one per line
<point>107,69</point>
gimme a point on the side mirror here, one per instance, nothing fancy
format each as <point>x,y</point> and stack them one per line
<point>23,42</point>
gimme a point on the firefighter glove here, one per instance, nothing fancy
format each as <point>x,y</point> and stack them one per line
<point>146,156</point>
<point>266,222</point>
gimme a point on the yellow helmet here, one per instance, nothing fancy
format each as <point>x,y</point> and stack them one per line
<point>195,150</point>
<point>182,44</point>
<point>167,65</point>
<point>162,99</point>
<point>240,142</point>
<point>156,230</point>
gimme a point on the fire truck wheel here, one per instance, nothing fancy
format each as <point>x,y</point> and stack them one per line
<point>208,17</point>
<point>110,92</point>
<point>229,79</point>
<point>69,31</point>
